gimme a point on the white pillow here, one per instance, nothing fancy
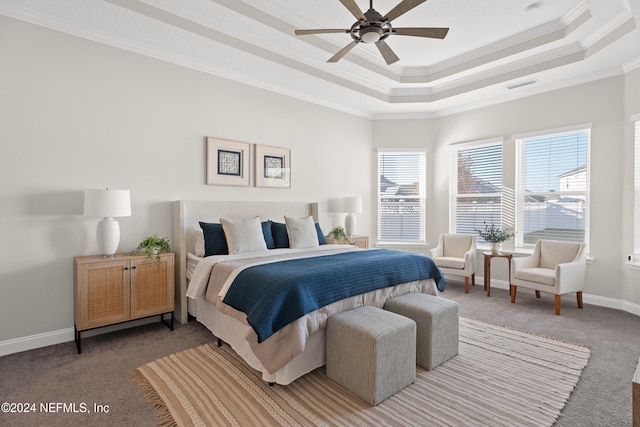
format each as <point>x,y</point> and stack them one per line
<point>302,232</point>
<point>198,246</point>
<point>243,235</point>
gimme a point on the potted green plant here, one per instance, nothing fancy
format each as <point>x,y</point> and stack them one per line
<point>495,236</point>
<point>153,246</point>
<point>338,234</point>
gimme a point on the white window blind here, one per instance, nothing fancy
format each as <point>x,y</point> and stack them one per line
<point>475,186</point>
<point>553,187</point>
<point>401,196</point>
<point>636,193</point>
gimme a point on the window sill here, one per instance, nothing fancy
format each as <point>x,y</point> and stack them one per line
<point>408,245</point>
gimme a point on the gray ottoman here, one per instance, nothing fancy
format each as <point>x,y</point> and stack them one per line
<point>371,352</point>
<point>437,322</point>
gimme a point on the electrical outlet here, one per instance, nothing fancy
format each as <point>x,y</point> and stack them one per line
<point>629,258</point>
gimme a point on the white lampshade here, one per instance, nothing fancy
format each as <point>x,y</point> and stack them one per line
<point>107,204</point>
<point>335,206</point>
<point>352,204</point>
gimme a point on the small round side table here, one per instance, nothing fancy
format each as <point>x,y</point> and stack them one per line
<point>487,268</point>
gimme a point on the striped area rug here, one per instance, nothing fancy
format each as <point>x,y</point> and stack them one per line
<point>502,377</point>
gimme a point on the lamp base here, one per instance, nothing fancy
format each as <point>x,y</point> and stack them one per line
<point>108,236</point>
<point>350,224</point>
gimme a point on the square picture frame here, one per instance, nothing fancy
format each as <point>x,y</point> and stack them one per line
<point>273,166</point>
<point>228,162</point>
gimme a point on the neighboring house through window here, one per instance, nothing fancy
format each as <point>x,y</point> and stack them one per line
<point>552,185</point>
<point>401,196</point>
<point>551,198</point>
<point>475,191</point>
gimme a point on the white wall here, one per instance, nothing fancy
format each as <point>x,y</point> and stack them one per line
<point>416,134</point>
<point>78,115</point>
<point>631,276</point>
<point>602,103</point>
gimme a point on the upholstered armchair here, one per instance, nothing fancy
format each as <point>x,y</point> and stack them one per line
<point>556,267</point>
<point>455,255</point>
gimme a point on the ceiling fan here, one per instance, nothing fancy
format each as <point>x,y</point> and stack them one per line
<point>371,27</point>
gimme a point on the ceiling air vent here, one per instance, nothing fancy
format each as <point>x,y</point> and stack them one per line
<point>521,84</point>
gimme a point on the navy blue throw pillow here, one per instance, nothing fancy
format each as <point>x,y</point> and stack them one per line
<point>268,235</point>
<point>321,239</point>
<point>280,234</point>
<point>215,243</point>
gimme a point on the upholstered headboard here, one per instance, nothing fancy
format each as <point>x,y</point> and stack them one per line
<point>187,214</point>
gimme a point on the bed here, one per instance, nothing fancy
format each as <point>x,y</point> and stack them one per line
<point>297,346</point>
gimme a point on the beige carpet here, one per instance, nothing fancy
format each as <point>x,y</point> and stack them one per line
<point>502,377</point>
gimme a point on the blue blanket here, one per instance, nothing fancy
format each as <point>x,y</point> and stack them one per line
<point>274,295</point>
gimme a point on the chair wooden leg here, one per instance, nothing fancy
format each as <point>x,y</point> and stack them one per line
<point>473,279</point>
<point>512,291</point>
<point>466,285</point>
<point>558,298</point>
<point>538,294</point>
<point>579,296</point>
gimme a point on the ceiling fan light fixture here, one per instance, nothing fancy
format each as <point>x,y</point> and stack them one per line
<point>373,28</point>
<point>371,34</point>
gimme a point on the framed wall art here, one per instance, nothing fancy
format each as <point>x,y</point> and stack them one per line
<point>228,162</point>
<point>273,166</point>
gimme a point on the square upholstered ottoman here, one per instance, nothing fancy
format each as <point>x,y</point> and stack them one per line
<point>371,352</point>
<point>437,326</point>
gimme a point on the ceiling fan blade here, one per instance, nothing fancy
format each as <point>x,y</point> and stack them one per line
<point>353,8</point>
<point>342,52</point>
<point>403,7</point>
<point>321,31</point>
<point>434,33</point>
<point>389,56</point>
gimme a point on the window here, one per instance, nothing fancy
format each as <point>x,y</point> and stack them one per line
<point>475,191</point>
<point>552,193</point>
<point>636,185</point>
<point>401,196</point>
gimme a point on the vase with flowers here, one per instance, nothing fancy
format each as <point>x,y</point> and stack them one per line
<point>495,236</point>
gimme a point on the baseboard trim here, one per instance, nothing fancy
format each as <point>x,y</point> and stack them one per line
<point>607,302</point>
<point>60,336</point>
<point>31,342</point>
<point>617,304</point>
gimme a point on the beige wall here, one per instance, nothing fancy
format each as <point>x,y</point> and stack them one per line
<point>631,276</point>
<point>601,103</point>
<point>78,115</point>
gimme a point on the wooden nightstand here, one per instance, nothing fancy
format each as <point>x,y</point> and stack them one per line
<point>119,289</point>
<point>359,241</point>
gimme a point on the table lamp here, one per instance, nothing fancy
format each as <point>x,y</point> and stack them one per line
<point>107,204</point>
<point>351,205</point>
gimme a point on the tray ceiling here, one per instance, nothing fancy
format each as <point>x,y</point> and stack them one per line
<point>495,50</point>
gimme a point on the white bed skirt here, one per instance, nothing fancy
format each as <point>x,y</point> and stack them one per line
<point>232,332</point>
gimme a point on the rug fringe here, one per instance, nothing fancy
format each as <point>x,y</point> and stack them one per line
<point>163,414</point>
<point>228,391</point>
